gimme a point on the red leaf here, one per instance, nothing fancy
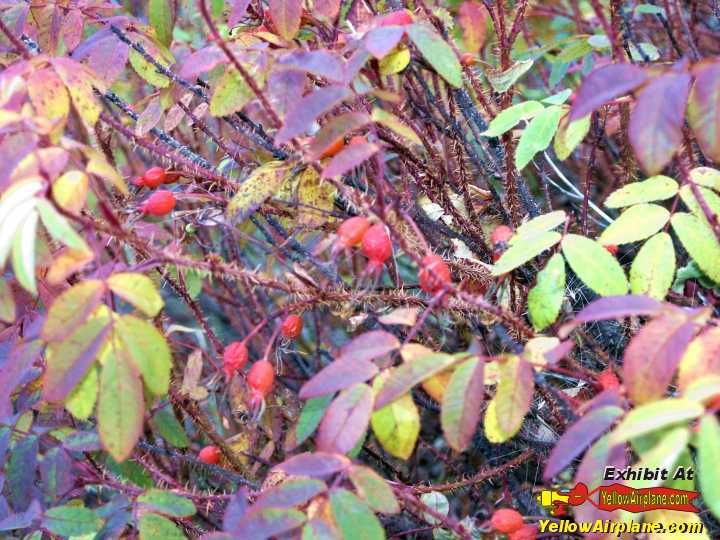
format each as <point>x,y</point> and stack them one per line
<point>338,375</point>
<point>654,353</point>
<point>306,110</point>
<point>462,403</point>
<point>335,129</point>
<point>315,464</point>
<point>346,420</point>
<point>614,307</point>
<point>321,63</point>
<point>704,108</point>
<point>657,120</point>
<point>605,84</point>
<point>472,18</point>
<point>285,15</point>
<point>380,41</point>
<point>238,11</point>
<point>578,437</point>
<point>369,346</point>
<point>349,158</point>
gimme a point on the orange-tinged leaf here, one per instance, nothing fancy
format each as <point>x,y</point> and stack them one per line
<point>70,191</point>
<point>701,357</point>
<point>48,95</point>
<point>67,263</point>
<point>514,393</point>
<point>352,156</point>
<point>704,108</point>
<point>462,402</point>
<point>285,15</point>
<point>80,81</point>
<point>473,17</point>
<point>72,308</point>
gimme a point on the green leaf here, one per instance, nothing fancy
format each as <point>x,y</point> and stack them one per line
<point>708,457</point>
<point>154,527</point>
<point>147,71</point>
<point>59,227</point>
<point>501,81</point>
<point>168,427</point>
<point>10,226</point>
<point>121,405</point>
<point>663,455</point>
<point>712,200</point>
<point>23,253</point>
<point>462,403</point>
<point>537,135</point>
<point>537,225</point>
<point>569,136</point>
<point>160,14</point>
<point>655,416</point>
<point>72,308</point>
<point>354,518</point>
<point>145,348</point>
<point>374,489</point>
<point>545,298</point>
<point>699,241</point>
<point>653,269</point>
<point>167,503</point>
<point>81,400</point>
<point>509,118</point>
<point>655,188</point>
<point>309,420</point>
<point>521,252</point>
<point>262,184</point>
<point>636,223</point>
<point>437,52</point>
<point>396,425</point>
<point>137,289</point>
<point>707,177</point>
<point>594,265</point>
<point>71,521</point>
<point>394,123</point>
<point>232,93</point>
<point>7,302</point>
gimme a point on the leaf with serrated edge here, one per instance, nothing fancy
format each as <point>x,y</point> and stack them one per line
<point>462,404</point>
<point>397,425</point>
<point>546,296</point>
<point>636,223</point>
<point>699,241</point>
<point>655,188</point>
<point>137,289</point>
<point>655,416</point>
<point>597,268</point>
<point>521,252</point>
<point>653,269</point>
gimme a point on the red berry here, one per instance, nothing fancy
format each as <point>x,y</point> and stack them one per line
<point>501,235</point>
<point>333,149</point>
<point>468,59</point>
<point>235,357</point>
<point>159,203</point>
<point>352,230</point>
<point>433,274</point>
<point>138,181</point>
<point>506,520</point>
<point>612,249</point>
<point>526,532</point>
<point>154,177</point>
<point>291,327</point>
<point>210,455</point>
<point>396,18</point>
<point>376,245</point>
<point>607,379</point>
<point>261,377</point>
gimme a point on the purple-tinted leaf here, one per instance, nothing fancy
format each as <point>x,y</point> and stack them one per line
<point>334,130</point>
<point>292,493</point>
<point>315,464</point>
<point>554,355</point>
<point>202,61</point>
<point>605,84</point>
<point>56,473</point>
<point>355,63</point>
<point>338,375</point>
<point>462,403</point>
<point>514,393</point>
<point>327,8</point>
<point>72,28</point>
<point>346,420</point>
<point>12,370</point>
<point>413,372</point>
<point>235,510</point>
<point>380,41</point>
<point>349,158</point>
<point>82,441</point>
<point>22,520</point>
<point>283,87</point>
<point>652,356</point>
<point>657,120</point>
<point>237,12</point>
<point>106,55</point>
<point>285,15</point>
<point>4,442</point>
<point>614,307</point>
<point>369,346</point>
<point>591,470</point>
<point>306,110</point>
<point>20,472</point>
<point>704,108</point>
<point>321,63</point>
<point>268,522</point>
<point>607,398</point>
<point>578,437</point>
<point>149,118</point>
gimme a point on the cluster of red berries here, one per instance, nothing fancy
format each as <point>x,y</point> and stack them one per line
<point>499,239</point>
<point>510,522</point>
<point>374,240</point>
<point>434,274</point>
<point>162,202</point>
<point>261,376</point>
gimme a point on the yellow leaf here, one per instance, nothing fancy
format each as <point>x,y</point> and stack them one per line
<point>80,81</point>
<point>98,165</point>
<point>397,425</point>
<point>68,262</point>
<point>702,357</point>
<point>70,191</point>
<point>262,184</point>
<point>491,426</point>
<point>137,289</point>
<point>396,61</point>
<point>393,123</point>
<point>316,198</point>
<point>49,97</point>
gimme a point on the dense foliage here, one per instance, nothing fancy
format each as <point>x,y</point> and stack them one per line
<point>354,268</point>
